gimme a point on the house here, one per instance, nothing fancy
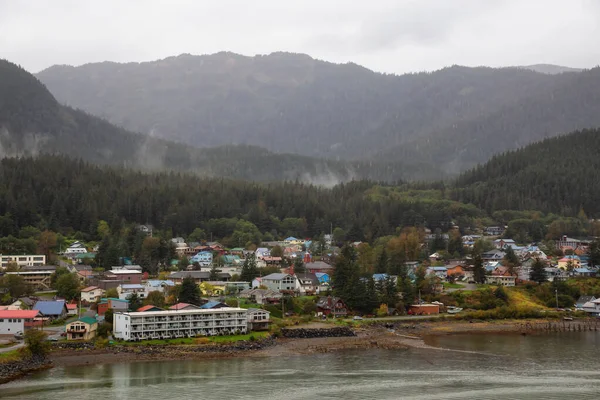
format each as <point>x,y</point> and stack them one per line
<point>440,272</point>
<point>493,255</point>
<point>501,276</point>
<point>322,277</point>
<point>567,243</point>
<point>155,285</point>
<point>503,243</point>
<point>424,309</point>
<point>13,321</point>
<point>85,328</point>
<point>292,241</point>
<point>258,320</point>
<point>82,257</point>
<point>127,290</point>
<point>213,304</point>
<point>592,308</point>
<point>262,252</point>
<point>455,270</point>
<point>204,258</point>
<point>198,276</point>
<point>112,304</point>
<point>309,284</point>
<point>72,309</point>
<point>331,306</point>
<point>147,229</point>
<point>567,261</point>
<point>219,288</point>
<point>149,307</point>
<point>493,230</point>
<point>179,324</point>
<point>183,306</point>
<point>51,309</point>
<point>127,275</point>
<point>33,260</point>
<point>319,266</point>
<point>582,300</point>
<point>231,260</point>
<point>279,282</point>
<point>39,280</point>
<point>91,294</point>
<point>261,296</point>
<point>76,248</point>
<point>583,272</point>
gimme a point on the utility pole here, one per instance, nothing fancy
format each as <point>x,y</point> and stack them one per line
<point>556,294</point>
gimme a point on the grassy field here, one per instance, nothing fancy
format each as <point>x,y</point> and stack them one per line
<point>201,340</point>
<point>449,285</point>
<point>10,356</point>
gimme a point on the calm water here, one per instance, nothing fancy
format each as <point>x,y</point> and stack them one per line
<point>561,366</point>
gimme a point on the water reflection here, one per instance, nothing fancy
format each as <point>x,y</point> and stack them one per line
<point>485,367</point>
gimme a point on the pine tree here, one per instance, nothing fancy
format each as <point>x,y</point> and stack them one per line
<point>249,269</point>
<point>189,292</point>
<point>299,267</point>
<point>214,273</point>
<point>538,273</point>
<point>381,266</point>
<point>478,270</point>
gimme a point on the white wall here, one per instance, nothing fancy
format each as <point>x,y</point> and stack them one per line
<point>10,326</point>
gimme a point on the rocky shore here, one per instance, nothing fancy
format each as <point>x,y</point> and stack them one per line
<point>16,369</point>
<point>311,333</point>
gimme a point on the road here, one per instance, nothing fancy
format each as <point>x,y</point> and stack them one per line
<point>404,318</point>
<point>11,348</point>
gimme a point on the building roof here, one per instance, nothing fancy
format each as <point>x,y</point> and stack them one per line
<point>308,276</point>
<point>71,306</point>
<point>257,310</point>
<point>87,320</point>
<point>274,277</point>
<point>149,307</point>
<point>585,299</point>
<point>50,307</point>
<point>124,271</point>
<point>318,265</point>
<point>214,304</point>
<point>440,269</point>
<point>159,283</point>
<point>173,312</point>
<point>197,274</point>
<point>116,299</point>
<point>323,302</point>
<point>89,288</point>
<point>132,286</point>
<point>181,306</point>
<point>21,314</point>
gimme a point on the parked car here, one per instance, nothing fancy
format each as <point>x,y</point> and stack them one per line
<point>18,335</point>
<point>357,318</point>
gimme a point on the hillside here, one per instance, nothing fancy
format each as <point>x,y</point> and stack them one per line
<point>295,104</point>
<point>33,122</point>
<point>550,68</point>
<point>556,175</point>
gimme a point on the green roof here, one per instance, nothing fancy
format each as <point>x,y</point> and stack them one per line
<point>88,320</point>
<point>81,256</point>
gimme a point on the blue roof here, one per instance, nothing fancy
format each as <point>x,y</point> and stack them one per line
<point>438,268</point>
<point>289,239</point>
<point>210,304</point>
<point>582,270</point>
<point>379,277</point>
<point>50,307</point>
<point>159,283</point>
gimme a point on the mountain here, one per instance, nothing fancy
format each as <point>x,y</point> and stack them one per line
<point>571,102</point>
<point>550,69</point>
<point>287,102</point>
<point>554,175</point>
<point>33,122</point>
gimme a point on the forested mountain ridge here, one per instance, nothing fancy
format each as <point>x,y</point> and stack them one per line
<point>293,103</point>
<point>555,175</point>
<point>33,122</point>
<point>570,103</point>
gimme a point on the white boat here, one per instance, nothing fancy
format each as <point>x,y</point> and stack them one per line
<point>453,310</point>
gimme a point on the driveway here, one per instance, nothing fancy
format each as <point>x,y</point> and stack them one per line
<point>11,348</point>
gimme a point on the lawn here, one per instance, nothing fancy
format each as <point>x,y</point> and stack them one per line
<point>10,356</point>
<point>449,285</point>
<point>201,340</point>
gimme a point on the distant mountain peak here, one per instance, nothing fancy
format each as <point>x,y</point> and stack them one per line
<point>550,69</point>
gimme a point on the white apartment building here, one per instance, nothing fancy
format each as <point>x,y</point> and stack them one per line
<point>32,260</point>
<point>179,324</point>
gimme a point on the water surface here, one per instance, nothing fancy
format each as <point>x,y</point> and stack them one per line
<point>554,366</point>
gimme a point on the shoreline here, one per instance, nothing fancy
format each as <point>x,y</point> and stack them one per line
<point>403,335</point>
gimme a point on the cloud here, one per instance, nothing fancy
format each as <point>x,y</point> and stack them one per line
<point>386,35</point>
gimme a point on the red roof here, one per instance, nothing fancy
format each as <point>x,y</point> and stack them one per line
<point>146,308</point>
<point>24,314</point>
<point>89,288</point>
<point>71,306</point>
<point>179,306</point>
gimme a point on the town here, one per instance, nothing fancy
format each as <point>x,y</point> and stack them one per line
<point>210,290</point>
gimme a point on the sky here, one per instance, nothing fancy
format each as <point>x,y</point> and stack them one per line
<point>391,36</point>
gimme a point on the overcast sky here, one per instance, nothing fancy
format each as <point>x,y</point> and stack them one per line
<point>394,36</point>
